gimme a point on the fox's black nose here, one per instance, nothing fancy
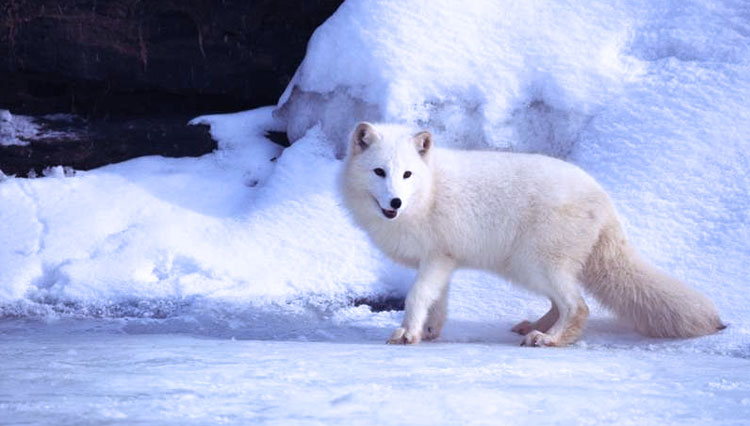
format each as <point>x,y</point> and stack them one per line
<point>396,203</point>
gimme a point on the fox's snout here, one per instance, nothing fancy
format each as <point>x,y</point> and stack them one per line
<point>391,213</point>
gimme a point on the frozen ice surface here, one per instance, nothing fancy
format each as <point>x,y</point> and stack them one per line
<point>225,288</point>
<point>111,378</point>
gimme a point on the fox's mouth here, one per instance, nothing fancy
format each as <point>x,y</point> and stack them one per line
<point>390,214</point>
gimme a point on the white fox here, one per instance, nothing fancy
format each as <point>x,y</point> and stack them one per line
<point>536,221</point>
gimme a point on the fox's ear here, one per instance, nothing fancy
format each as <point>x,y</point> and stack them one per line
<point>423,142</point>
<point>362,137</point>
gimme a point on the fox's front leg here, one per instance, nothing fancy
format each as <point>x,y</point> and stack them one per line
<point>427,291</point>
<point>436,317</point>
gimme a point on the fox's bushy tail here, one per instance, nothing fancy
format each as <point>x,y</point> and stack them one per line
<point>658,305</point>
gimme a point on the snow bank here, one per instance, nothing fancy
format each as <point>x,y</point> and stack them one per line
<point>651,98</point>
<point>242,224</point>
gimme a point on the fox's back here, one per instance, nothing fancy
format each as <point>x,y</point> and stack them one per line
<point>509,180</point>
<point>490,205</point>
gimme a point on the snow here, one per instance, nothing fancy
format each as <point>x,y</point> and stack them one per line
<point>20,129</point>
<point>14,129</point>
<point>222,289</point>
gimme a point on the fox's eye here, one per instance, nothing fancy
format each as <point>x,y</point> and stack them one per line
<point>407,174</point>
<point>380,172</point>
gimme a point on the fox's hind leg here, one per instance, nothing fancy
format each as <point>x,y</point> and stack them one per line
<point>542,324</point>
<point>565,331</point>
<point>564,291</point>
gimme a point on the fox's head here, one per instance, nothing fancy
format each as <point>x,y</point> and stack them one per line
<point>388,168</point>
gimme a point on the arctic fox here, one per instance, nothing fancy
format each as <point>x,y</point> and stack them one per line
<point>537,221</point>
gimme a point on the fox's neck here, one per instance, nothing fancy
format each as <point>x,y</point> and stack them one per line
<point>424,199</point>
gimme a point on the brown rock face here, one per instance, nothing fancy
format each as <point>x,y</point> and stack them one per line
<point>115,61</point>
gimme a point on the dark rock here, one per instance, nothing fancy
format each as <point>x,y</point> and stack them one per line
<point>110,57</point>
<point>115,62</point>
<point>279,138</point>
<point>381,303</point>
<point>84,145</point>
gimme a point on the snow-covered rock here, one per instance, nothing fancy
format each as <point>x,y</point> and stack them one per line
<point>526,75</point>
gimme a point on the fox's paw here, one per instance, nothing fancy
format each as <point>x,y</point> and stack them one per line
<point>403,337</point>
<point>523,328</point>
<point>537,338</point>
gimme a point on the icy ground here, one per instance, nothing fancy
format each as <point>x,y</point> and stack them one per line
<point>228,288</point>
<point>93,373</point>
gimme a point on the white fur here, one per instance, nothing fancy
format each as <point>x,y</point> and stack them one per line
<point>536,221</point>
